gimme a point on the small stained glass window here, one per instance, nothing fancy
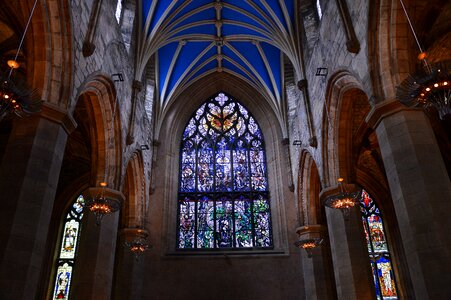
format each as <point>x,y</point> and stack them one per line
<point>318,9</point>
<point>378,251</point>
<point>118,13</point>
<point>223,199</point>
<point>68,250</point>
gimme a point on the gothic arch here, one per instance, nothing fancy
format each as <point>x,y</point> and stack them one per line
<point>309,188</point>
<point>167,154</point>
<point>99,109</point>
<point>135,192</point>
<point>337,124</point>
<point>200,90</point>
<point>48,46</point>
<point>392,49</point>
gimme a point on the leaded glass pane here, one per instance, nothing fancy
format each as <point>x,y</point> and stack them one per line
<point>63,279</point>
<point>377,248</point>
<point>69,242</point>
<point>222,152</point>
<point>386,278</point>
<point>68,249</point>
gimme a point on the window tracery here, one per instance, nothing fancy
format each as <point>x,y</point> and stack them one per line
<point>223,199</point>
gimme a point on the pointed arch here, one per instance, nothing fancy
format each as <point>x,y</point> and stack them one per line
<point>309,188</point>
<point>342,89</point>
<point>100,112</point>
<point>223,199</point>
<point>134,191</point>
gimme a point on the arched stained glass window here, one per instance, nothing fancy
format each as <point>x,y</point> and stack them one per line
<point>68,250</point>
<point>223,199</point>
<point>378,250</point>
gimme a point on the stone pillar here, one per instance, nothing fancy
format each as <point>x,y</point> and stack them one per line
<point>352,269</point>
<point>421,193</point>
<point>317,269</point>
<point>129,268</point>
<point>93,276</point>
<point>29,176</point>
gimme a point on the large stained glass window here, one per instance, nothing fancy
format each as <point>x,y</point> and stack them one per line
<point>223,199</point>
<point>67,250</point>
<point>378,251</point>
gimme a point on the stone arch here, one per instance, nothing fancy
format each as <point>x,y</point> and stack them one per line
<point>167,155</point>
<point>392,48</point>
<point>134,191</point>
<point>203,88</point>
<point>48,47</point>
<point>337,119</point>
<point>97,106</point>
<point>309,188</point>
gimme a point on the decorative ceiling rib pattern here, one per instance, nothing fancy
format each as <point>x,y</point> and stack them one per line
<point>194,38</point>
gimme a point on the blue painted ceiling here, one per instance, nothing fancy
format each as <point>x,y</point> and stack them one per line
<point>194,38</point>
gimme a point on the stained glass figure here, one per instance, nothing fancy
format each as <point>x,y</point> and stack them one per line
<point>223,194</point>
<point>381,266</point>
<point>68,250</point>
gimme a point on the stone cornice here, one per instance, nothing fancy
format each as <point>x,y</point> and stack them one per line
<point>58,115</point>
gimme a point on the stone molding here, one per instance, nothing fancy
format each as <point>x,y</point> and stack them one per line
<point>58,115</point>
<point>383,110</point>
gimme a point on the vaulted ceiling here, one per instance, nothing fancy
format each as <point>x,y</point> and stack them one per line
<point>194,38</point>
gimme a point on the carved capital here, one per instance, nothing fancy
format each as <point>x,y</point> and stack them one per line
<point>58,115</point>
<point>384,109</point>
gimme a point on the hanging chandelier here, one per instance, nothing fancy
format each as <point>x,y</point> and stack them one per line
<point>343,201</point>
<point>310,238</point>
<point>101,204</point>
<point>138,241</point>
<point>429,87</point>
<point>16,98</point>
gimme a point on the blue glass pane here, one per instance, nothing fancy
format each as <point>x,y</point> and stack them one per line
<point>224,223</point>
<point>223,171</point>
<point>241,171</point>
<point>222,152</point>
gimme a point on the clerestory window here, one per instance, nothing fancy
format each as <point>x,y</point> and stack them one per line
<point>223,199</point>
<point>378,250</point>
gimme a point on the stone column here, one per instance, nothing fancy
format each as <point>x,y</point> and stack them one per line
<point>29,176</point>
<point>129,268</point>
<point>421,191</point>
<point>93,276</point>
<point>317,268</point>
<point>352,269</point>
